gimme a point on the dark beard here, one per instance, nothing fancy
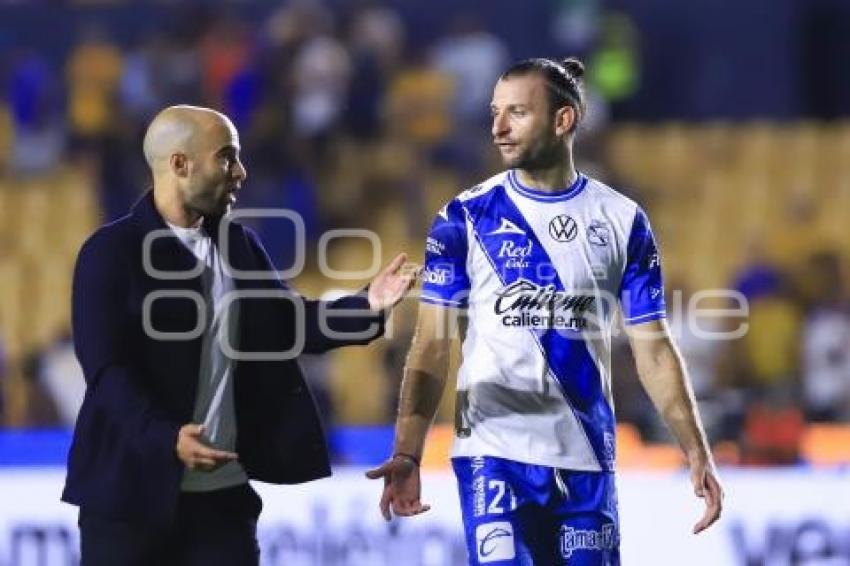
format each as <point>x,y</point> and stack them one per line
<point>545,155</point>
<point>210,206</point>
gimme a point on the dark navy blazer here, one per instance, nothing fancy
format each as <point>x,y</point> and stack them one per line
<point>141,390</point>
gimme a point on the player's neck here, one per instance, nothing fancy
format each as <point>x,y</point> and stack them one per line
<point>551,179</point>
<point>173,210</point>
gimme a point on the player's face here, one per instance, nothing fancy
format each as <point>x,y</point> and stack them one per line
<point>523,123</point>
<point>217,173</point>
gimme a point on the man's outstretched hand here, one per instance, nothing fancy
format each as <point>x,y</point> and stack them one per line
<point>195,454</point>
<point>392,284</point>
<point>707,486</point>
<point>402,487</point>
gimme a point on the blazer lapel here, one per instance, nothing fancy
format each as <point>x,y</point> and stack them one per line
<point>169,261</point>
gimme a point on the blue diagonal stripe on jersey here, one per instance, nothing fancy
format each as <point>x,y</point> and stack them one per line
<point>569,360</point>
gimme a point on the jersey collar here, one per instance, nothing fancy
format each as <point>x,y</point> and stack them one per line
<point>546,196</point>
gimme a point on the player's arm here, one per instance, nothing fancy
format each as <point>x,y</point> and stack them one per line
<point>664,377</point>
<point>445,290</point>
<point>425,377</point>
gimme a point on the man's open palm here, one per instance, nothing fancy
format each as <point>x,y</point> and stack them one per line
<point>402,488</point>
<point>392,284</point>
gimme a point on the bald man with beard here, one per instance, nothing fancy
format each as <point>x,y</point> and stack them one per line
<point>188,343</point>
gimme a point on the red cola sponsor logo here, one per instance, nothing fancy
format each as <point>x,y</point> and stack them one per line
<point>514,254</point>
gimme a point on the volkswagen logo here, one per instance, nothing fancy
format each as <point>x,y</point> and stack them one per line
<point>563,228</point>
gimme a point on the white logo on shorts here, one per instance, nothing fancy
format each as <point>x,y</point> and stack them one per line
<point>495,541</point>
<point>573,539</point>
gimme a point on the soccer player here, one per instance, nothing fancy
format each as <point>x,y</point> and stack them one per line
<point>539,259</point>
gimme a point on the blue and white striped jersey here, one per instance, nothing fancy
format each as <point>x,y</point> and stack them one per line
<point>541,276</point>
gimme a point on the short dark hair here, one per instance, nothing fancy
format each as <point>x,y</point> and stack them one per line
<point>563,79</point>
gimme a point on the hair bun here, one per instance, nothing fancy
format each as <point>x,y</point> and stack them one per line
<point>574,67</point>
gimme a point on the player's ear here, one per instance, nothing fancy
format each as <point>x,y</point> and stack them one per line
<point>179,164</point>
<point>565,117</point>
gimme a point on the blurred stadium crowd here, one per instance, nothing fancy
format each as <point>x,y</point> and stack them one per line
<point>354,118</point>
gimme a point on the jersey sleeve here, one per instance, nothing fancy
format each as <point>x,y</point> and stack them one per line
<point>444,277</point>
<point>642,286</point>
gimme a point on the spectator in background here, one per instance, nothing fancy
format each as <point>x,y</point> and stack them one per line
<point>230,80</point>
<point>826,340</point>
<point>97,129</point>
<point>297,21</point>
<point>766,364</point>
<point>177,66</point>
<point>418,103</point>
<point>473,57</point>
<point>320,77</point>
<point>138,91</point>
<point>38,137</point>
<point>376,42</point>
<point>767,357</point>
<point>225,52</point>
<point>616,73</point>
<point>93,74</point>
<point>418,120</point>
<point>770,349</point>
<point>575,25</point>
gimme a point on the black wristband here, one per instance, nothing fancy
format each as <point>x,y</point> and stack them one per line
<point>410,457</point>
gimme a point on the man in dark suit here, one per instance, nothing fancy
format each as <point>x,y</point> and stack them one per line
<point>188,340</point>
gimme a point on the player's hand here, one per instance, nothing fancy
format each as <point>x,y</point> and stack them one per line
<point>402,487</point>
<point>196,455</point>
<point>707,486</point>
<point>392,284</point>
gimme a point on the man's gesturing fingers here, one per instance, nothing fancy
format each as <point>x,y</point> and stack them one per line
<point>195,454</point>
<point>383,471</point>
<point>391,284</point>
<point>400,496</point>
<point>217,456</point>
<point>709,489</point>
<point>409,508</point>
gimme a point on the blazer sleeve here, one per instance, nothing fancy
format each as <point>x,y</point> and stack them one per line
<point>347,321</point>
<point>104,344</point>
